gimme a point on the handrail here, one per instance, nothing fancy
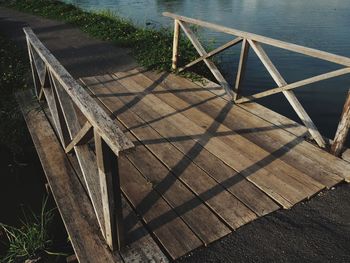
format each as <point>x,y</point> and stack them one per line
<point>266,40</point>
<point>100,170</point>
<point>253,41</point>
<point>98,118</point>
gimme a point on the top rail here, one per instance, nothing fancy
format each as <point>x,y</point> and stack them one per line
<point>266,40</point>
<point>98,118</point>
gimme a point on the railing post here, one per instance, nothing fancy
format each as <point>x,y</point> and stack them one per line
<point>175,44</point>
<point>241,68</point>
<point>343,129</point>
<point>107,163</point>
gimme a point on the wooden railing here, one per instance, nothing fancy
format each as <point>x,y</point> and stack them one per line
<point>78,119</point>
<point>254,42</point>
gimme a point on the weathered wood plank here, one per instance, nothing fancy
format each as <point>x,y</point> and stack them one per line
<point>96,116</point>
<point>269,135</point>
<point>181,167</point>
<point>71,199</point>
<point>249,194</point>
<point>175,236</point>
<point>232,141</point>
<point>216,196</point>
<point>141,246</point>
<point>266,40</point>
<point>343,129</point>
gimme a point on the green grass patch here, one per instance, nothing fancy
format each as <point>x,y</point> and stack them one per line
<point>32,239</point>
<point>152,48</point>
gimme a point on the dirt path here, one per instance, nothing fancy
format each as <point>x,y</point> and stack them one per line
<point>314,231</point>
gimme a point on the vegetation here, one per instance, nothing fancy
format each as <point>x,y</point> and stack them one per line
<point>32,240</point>
<point>14,75</point>
<point>152,48</point>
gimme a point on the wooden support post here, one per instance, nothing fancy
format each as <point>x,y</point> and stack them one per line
<point>107,163</point>
<point>175,44</point>
<point>241,68</point>
<point>343,129</point>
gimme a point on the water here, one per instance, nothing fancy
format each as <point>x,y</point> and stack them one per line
<point>320,24</point>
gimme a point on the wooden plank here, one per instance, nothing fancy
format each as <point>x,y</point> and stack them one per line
<point>107,164</point>
<point>203,222</point>
<point>222,203</point>
<point>174,235</point>
<point>241,67</point>
<point>216,196</point>
<point>343,129</point>
<point>245,191</point>
<point>96,116</point>
<point>175,44</point>
<point>303,184</point>
<point>212,53</point>
<point>141,246</point>
<point>296,152</point>
<point>266,40</point>
<point>200,49</point>
<point>72,202</point>
<point>294,85</point>
<point>292,99</point>
<point>82,137</point>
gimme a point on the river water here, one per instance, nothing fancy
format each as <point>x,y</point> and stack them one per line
<point>320,24</point>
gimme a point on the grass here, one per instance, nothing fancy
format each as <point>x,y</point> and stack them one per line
<point>14,75</point>
<point>152,48</point>
<point>32,239</point>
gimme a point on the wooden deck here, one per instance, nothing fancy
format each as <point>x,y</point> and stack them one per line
<point>148,166</point>
<point>203,166</point>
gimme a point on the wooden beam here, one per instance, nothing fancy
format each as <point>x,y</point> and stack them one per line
<point>175,44</point>
<point>212,53</point>
<point>296,84</point>
<point>294,102</point>
<point>200,49</point>
<point>241,67</point>
<point>110,132</point>
<point>82,137</point>
<point>107,164</point>
<point>343,129</point>
<point>266,40</point>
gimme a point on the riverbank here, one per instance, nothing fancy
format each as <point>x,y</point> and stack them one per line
<point>151,48</point>
<point>315,231</point>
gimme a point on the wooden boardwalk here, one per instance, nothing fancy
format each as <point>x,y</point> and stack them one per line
<point>202,166</point>
<point>153,165</point>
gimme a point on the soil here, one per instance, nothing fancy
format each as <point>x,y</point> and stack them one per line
<point>317,230</point>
